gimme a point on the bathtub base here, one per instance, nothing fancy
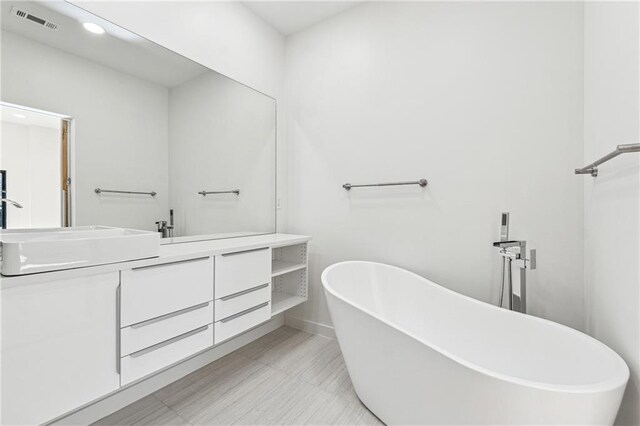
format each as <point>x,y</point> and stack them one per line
<point>404,380</point>
<point>401,383</point>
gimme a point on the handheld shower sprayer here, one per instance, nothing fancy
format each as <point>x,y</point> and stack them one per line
<point>504,236</point>
<point>504,228</point>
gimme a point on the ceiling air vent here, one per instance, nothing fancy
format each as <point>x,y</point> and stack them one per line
<point>26,15</point>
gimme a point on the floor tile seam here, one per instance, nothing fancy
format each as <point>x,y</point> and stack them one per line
<point>172,410</point>
<point>208,376</point>
<point>332,358</point>
<point>316,386</point>
<point>290,374</point>
<point>200,394</point>
<point>255,402</point>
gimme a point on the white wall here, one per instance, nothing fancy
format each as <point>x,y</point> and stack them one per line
<point>221,137</point>
<point>31,157</point>
<point>223,35</point>
<point>120,129</point>
<point>612,200</point>
<point>482,99</point>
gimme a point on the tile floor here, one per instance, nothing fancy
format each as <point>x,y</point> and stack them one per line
<point>286,377</point>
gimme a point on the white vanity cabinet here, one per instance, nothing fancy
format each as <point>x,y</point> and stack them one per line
<point>166,315</point>
<point>73,337</point>
<point>242,291</point>
<point>58,346</point>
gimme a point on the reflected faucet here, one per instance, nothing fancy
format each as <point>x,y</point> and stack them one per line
<point>165,230</point>
<point>13,203</point>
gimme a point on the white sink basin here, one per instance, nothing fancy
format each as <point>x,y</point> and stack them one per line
<point>27,251</point>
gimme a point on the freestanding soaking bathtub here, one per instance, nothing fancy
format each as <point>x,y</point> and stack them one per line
<point>418,353</point>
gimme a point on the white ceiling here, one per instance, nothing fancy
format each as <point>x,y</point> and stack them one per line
<point>289,17</point>
<point>26,117</point>
<point>117,48</point>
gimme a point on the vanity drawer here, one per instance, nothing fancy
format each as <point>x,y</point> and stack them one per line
<point>238,302</point>
<point>154,291</point>
<point>139,364</point>
<point>148,333</point>
<point>236,324</point>
<point>243,270</point>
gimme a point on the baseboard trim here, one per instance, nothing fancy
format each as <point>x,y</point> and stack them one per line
<point>310,326</point>
<point>119,399</point>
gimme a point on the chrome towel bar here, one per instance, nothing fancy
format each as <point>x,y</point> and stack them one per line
<point>112,191</point>
<point>233,191</point>
<point>592,168</point>
<point>421,182</point>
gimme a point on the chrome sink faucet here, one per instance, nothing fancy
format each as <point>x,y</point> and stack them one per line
<point>16,204</point>
<point>13,203</point>
<point>164,229</point>
<point>514,253</point>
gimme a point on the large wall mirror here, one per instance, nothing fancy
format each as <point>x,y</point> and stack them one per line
<point>103,127</point>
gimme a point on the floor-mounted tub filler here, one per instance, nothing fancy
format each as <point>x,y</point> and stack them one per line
<point>418,353</point>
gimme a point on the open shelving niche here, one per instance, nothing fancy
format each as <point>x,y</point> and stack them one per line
<point>289,279</point>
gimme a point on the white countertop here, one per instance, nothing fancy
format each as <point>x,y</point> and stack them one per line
<point>168,253</point>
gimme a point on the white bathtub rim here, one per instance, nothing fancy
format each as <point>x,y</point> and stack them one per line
<point>612,383</point>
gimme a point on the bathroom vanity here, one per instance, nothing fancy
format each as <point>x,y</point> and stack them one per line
<point>72,337</point>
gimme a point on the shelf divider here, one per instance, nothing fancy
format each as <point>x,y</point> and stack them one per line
<point>281,302</point>
<point>280,267</point>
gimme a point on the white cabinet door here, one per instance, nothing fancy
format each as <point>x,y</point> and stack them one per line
<point>157,357</point>
<point>137,337</point>
<point>241,322</point>
<point>231,305</point>
<point>236,272</point>
<point>58,346</point>
<point>154,291</point>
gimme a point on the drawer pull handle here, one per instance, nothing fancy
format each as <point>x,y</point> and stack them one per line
<point>169,315</point>
<point>244,251</point>
<point>118,315</point>
<point>168,342</point>
<point>239,314</point>
<point>170,263</point>
<point>240,293</point>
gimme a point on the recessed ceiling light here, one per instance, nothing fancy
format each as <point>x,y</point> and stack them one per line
<point>93,28</point>
<point>19,116</point>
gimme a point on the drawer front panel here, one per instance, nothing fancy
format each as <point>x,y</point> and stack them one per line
<point>158,290</point>
<point>148,333</point>
<point>234,325</point>
<point>147,361</point>
<point>240,271</point>
<point>233,304</point>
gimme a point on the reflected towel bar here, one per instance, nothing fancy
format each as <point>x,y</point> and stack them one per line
<point>421,182</point>
<point>592,168</point>
<point>112,191</point>
<point>233,191</point>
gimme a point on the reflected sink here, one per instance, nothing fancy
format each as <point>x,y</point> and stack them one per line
<point>27,251</point>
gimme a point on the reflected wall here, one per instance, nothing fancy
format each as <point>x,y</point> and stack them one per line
<point>144,119</point>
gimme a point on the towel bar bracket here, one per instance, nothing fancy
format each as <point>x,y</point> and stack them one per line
<point>592,169</point>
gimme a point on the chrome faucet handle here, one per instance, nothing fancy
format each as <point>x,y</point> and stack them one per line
<point>509,254</point>
<point>513,249</point>
<point>530,263</point>
<point>533,259</point>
